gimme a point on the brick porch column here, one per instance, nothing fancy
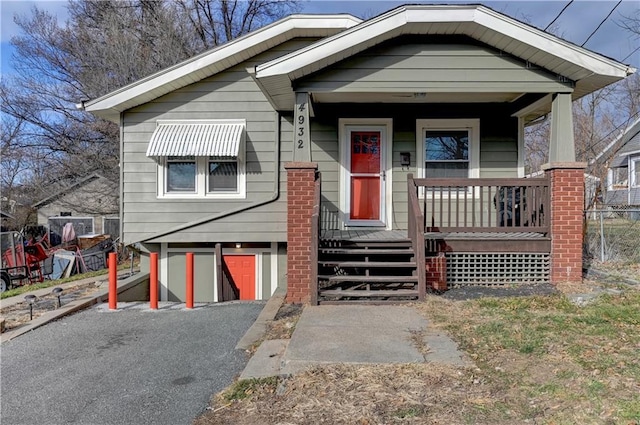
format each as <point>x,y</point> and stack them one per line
<point>300,186</point>
<point>567,208</point>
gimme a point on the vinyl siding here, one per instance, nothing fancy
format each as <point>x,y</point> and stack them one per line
<point>421,67</point>
<point>231,94</point>
<point>498,146</point>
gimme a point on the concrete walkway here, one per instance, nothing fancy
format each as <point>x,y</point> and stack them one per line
<point>354,334</point>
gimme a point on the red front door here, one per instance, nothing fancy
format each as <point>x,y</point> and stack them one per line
<point>365,153</point>
<point>243,271</point>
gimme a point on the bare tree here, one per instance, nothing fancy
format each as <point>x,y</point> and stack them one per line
<point>104,45</point>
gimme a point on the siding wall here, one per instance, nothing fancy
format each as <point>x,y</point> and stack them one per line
<point>498,146</point>
<point>408,64</point>
<point>228,95</point>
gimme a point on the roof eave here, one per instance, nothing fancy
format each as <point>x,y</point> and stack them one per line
<point>601,70</point>
<point>112,104</point>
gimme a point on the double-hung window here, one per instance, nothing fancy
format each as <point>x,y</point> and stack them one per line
<point>199,158</point>
<point>448,148</point>
<point>635,172</point>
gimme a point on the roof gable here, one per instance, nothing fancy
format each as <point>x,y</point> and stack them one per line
<point>73,187</point>
<point>628,141</point>
<point>589,70</point>
<point>216,60</point>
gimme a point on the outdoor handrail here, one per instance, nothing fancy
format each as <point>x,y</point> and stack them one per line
<point>485,204</point>
<point>416,234</point>
<point>315,238</point>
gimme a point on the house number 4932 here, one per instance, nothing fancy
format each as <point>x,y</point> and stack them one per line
<point>302,125</point>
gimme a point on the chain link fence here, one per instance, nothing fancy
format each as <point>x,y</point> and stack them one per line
<point>613,235</point>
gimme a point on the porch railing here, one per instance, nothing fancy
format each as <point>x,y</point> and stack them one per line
<point>315,238</point>
<point>227,289</point>
<point>416,234</point>
<point>480,205</point>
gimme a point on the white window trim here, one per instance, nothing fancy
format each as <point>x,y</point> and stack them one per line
<point>634,165</point>
<point>202,163</point>
<point>385,124</point>
<point>470,124</point>
<point>610,180</point>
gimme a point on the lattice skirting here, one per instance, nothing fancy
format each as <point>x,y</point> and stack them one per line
<point>482,269</point>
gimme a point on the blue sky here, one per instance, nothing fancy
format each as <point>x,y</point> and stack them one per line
<point>575,24</point>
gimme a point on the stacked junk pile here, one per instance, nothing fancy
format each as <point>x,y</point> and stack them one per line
<point>36,254</point>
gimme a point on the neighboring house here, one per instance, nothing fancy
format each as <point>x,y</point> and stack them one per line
<point>91,204</point>
<point>220,155</point>
<point>623,171</point>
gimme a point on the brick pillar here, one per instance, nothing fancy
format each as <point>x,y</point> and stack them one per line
<point>300,186</point>
<point>567,209</point>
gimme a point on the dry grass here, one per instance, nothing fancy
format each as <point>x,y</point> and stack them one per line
<point>540,359</point>
<point>380,394</point>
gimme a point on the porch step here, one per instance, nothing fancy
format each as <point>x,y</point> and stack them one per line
<point>355,293</point>
<point>368,264</point>
<point>362,251</point>
<point>369,279</point>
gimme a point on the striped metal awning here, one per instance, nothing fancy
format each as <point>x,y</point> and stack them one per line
<point>196,138</point>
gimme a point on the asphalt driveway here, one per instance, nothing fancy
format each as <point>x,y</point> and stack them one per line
<point>126,367</point>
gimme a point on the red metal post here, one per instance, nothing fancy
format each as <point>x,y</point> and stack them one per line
<point>153,281</point>
<point>189,279</point>
<point>113,279</point>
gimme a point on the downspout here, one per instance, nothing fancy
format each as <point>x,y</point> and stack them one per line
<point>274,196</point>
<point>121,182</point>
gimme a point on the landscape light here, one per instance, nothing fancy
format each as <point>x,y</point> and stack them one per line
<point>30,299</point>
<point>57,292</point>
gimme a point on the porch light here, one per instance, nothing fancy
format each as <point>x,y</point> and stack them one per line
<point>57,292</point>
<point>238,245</point>
<point>30,299</point>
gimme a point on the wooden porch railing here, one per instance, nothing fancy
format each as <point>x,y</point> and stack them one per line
<point>481,205</point>
<point>227,289</point>
<point>416,234</point>
<point>315,239</point>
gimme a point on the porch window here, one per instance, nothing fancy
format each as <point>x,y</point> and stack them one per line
<point>635,172</point>
<point>446,153</point>
<point>448,148</point>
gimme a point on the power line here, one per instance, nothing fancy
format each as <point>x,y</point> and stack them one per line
<point>556,18</point>
<point>598,27</point>
<point>629,55</point>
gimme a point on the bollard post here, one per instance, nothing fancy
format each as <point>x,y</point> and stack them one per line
<point>189,280</point>
<point>153,281</point>
<point>113,279</point>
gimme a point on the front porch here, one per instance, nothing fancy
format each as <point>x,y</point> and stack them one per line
<point>461,232</point>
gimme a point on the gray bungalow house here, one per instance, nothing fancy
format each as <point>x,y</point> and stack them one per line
<point>623,172</point>
<point>358,160</point>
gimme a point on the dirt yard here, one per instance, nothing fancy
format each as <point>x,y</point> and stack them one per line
<point>18,314</point>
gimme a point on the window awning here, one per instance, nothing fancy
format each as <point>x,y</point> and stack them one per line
<point>196,138</point>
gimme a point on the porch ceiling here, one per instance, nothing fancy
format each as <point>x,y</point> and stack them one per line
<point>590,71</point>
<point>410,97</point>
